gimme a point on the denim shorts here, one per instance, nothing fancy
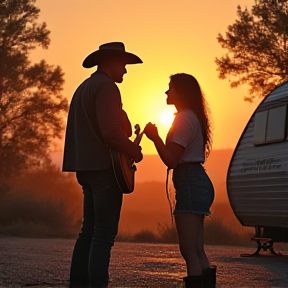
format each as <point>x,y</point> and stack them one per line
<point>194,189</point>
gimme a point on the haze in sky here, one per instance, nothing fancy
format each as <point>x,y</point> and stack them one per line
<point>169,36</point>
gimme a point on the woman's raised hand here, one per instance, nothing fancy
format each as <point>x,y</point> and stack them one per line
<point>151,131</point>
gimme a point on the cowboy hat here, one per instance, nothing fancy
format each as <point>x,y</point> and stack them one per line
<point>107,51</point>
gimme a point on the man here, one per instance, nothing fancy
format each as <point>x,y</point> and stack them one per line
<point>97,123</point>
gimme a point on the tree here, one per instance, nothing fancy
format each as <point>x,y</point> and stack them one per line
<point>32,109</point>
<point>257,48</point>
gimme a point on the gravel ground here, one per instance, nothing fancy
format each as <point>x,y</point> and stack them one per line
<point>45,263</point>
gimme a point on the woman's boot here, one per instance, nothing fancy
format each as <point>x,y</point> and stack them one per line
<point>193,281</point>
<point>210,277</point>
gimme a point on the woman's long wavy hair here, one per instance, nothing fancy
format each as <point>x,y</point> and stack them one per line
<point>192,97</point>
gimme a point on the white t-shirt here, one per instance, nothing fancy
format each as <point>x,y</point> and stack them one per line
<point>186,131</point>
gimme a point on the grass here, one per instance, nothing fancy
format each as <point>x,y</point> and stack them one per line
<point>216,233</point>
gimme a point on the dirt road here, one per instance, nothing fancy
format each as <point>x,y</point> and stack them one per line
<point>45,263</point>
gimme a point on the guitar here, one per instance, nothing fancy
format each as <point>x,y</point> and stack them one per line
<point>124,167</point>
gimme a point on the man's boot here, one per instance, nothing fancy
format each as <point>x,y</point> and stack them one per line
<point>193,281</point>
<point>209,275</point>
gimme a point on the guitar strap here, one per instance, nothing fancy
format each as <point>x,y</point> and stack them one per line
<point>168,195</point>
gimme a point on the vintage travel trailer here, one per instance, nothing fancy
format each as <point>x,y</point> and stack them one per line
<point>257,177</point>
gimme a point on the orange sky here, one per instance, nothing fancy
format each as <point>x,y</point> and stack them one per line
<point>170,36</point>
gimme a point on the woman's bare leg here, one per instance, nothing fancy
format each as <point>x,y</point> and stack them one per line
<point>189,225</point>
<point>201,251</point>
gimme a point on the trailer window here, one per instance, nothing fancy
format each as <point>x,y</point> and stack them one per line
<point>270,125</point>
<point>276,124</point>
<point>260,127</point>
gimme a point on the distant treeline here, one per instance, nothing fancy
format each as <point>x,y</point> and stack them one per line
<point>47,203</point>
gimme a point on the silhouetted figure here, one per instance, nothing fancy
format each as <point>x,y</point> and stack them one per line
<point>187,146</point>
<point>97,123</point>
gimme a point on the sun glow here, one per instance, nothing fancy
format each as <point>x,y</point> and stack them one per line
<point>167,118</point>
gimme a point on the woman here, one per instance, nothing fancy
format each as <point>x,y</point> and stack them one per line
<point>187,146</point>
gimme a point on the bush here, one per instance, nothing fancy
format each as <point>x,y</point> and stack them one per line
<point>145,236</point>
<point>216,232</point>
<point>41,204</point>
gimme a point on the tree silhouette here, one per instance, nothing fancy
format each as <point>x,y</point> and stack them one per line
<point>32,109</point>
<point>257,48</point>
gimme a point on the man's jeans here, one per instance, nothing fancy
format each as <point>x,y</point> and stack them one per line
<point>102,206</point>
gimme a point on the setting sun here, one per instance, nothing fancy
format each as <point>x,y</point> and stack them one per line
<point>167,117</point>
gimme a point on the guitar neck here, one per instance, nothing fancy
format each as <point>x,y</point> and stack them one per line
<point>138,138</point>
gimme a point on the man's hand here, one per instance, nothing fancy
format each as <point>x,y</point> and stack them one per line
<point>138,155</point>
